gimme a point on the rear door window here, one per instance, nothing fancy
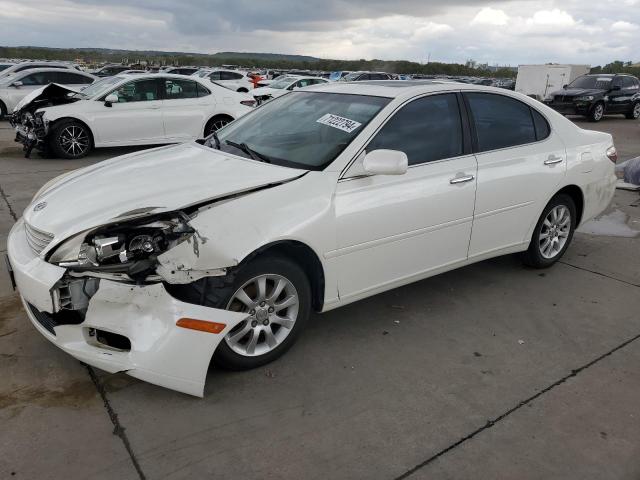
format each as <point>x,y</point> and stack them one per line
<point>180,89</point>
<point>70,78</point>
<point>500,121</point>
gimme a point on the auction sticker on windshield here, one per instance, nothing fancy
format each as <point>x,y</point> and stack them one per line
<point>341,123</point>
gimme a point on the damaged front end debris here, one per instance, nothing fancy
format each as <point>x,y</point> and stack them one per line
<point>30,124</point>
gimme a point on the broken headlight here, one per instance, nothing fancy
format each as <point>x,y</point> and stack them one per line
<point>130,247</point>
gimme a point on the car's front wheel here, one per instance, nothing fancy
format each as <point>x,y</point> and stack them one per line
<point>275,295</point>
<point>70,139</point>
<point>634,114</point>
<point>597,112</point>
<point>553,233</point>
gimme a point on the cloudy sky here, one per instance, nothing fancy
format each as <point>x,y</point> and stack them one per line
<point>501,32</point>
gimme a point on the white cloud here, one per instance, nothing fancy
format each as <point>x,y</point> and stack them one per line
<point>490,16</point>
<point>623,26</point>
<point>552,18</point>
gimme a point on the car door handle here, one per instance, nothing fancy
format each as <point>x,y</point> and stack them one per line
<point>552,160</point>
<point>463,179</point>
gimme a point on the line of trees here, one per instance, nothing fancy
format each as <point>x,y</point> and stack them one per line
<point>98,56</point>
<point>618,67</point>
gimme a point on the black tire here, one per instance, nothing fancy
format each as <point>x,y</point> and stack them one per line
<point>219,295</point>
<point>634,114</point>
<point>596,113</point>
<point>60,137</point>
<point>243,90</point>
<point>3,111</point>
<point>216,123</point>
<point>534,257</point>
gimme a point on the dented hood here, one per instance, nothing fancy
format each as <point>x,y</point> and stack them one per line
<point>145,183</point>
<point>53,91</point>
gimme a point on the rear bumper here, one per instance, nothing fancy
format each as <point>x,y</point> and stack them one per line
<point>161,352</point>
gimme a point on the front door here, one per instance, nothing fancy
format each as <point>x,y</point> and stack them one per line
<point>394,229</point>
<point>136,118</point>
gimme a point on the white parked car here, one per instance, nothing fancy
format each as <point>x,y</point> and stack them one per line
<point>139,109</point>
<point>232,79</point>
<point>179,255</point>
<point>16,87</point>
<point>22,66</point>
<point>284,85</point>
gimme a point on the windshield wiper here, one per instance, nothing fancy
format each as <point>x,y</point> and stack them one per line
<point>246,149</point>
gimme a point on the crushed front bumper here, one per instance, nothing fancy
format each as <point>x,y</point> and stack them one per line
<point>30,136</point>
<point>160,352</point>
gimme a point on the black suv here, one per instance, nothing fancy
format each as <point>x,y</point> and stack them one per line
<point>597,95</point>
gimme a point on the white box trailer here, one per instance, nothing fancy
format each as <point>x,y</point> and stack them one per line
<point>538,81</point>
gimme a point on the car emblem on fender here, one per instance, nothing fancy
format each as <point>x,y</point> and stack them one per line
<point>39,206</point>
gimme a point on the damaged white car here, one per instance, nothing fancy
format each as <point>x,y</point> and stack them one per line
<point>124,110</point>
<point>160,262</point>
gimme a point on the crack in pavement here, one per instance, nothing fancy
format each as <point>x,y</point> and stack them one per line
<point>492,422</point>
<point>118,429</point>
<point>600,273</point>
<point>6,200</point>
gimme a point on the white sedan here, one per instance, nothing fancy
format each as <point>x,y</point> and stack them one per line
<point>284,85</point>
<point>139,109</point>
<point>15,87</point>
<point>174,257</point>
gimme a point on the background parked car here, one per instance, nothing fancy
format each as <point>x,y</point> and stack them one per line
<point>283,85</point>
<point>232,79</point>
<point>14,88</point>
<point>182,70</point>
<point>123,110</point>
<point>597,95</point>
<point>360,76</point>
<point>5,65</point>
<point>22,66</point>
<point>110,70</point>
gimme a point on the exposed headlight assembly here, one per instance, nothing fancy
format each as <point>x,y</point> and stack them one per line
<point>129,247</point>
<point>586,98</point>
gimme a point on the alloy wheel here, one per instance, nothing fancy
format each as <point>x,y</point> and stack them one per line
<point>636,110</point>
<point>271,303</point>
<point>74,140</point>
<point>554,231</point>
<point>598,111</point>
<point>217,125</point>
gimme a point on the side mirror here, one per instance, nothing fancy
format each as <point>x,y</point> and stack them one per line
<point>385,162</point>
<point>110,99</point>
<point>564,86</point>
<point>17,84</point>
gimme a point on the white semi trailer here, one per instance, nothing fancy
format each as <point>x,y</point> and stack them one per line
<point>538,81</point>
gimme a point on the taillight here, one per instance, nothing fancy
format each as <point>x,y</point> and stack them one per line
<point>612,154</point>
<point>248,103</point>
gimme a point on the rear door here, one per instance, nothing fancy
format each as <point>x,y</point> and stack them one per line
<point>619,98</point>
<point>186,104</point>
<point>72,80</point>
<point>521,162</point>
<point>135,119</point>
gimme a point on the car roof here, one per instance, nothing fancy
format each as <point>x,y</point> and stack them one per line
<point>43,69</point>
<point>396,88</point>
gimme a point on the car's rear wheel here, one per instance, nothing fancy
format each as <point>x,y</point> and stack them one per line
<point>243,90</point>
<point>275,295</point>
<point>70,139</point>
<point>553,233</point>
<point>597,112</point>
<point>216,123</point>
<point>634,114</point>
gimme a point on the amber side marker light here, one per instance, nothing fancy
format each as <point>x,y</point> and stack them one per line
<point>202,325</point>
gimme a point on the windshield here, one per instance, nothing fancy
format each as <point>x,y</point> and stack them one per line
<point>282,82</point>
<point>300,129</point>
<point>351,76</point>
<point>601,83</point>
<point>100,86</point>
